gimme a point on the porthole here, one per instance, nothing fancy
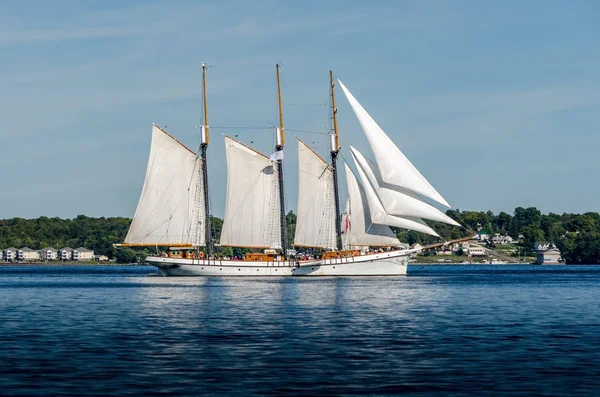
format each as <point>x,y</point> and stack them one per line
<point>312,268</point>
<point>220,268</point>
<point>239,270</point>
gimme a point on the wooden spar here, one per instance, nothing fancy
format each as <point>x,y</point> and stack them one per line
<point>281,125</point>
<point>280,142</point>
<point>436,245</point>
<point>335,148</point>
<point>205,105</point>
<point>205,138</point>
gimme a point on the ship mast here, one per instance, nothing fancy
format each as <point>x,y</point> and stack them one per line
<point>334,142</point>
<point>204,140</point>
<point>280,142</point>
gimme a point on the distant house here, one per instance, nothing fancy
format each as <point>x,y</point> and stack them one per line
<point>26,254</point>
<point>547,253</point>
<point>501,240</point>
<point>550,256</point>
<point>483,236</point>
<point>416,246</point>
<point>540,246</point>
<point>9,254</point>
<point>476,252</point>
<point>83,254</point>
<point>65,254</point>
<point>48,254</point>
<point>101,258</point>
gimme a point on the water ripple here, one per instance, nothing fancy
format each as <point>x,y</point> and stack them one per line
<point>464,330</point>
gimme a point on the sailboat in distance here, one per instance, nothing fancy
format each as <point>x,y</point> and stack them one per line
<point>174,212</point>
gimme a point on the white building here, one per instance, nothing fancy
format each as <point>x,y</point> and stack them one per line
<point>549,257</point>
<point>9,254</point>
<point>83,254</point>
<point>547,254</point>
<point>476,252</point>
<point>65,254</point>
<point>26,254</point>
<point>48,254</point>
<point>501,240</point>
<point>542,246</point>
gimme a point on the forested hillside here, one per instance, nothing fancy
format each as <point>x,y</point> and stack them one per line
<point>576,235</point>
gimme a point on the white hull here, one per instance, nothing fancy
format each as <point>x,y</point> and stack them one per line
<point>391,263</point>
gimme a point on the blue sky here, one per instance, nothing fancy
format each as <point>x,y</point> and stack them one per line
<point>496,103</point>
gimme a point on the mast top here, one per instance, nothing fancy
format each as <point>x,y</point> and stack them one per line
<point>334,138</point>
<point>205,137</point>
<point>280,131</point>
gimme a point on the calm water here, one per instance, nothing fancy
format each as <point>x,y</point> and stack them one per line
<point>442,330</point>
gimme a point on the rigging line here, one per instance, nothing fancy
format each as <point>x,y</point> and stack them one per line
<point>307,132</point>
<point>306,104</point>
<point>244,128</point>
<point>240,65</point>
<point>468,229</point>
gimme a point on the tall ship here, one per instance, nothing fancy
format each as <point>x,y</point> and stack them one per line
<point>173,213</point>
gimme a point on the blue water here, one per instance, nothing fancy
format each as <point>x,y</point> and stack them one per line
<point>442,330</point>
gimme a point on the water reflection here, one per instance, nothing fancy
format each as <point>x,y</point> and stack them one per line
<point>121,331</point>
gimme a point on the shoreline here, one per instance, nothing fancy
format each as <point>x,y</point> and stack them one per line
<point>65,264</point>
<point>69,264</point>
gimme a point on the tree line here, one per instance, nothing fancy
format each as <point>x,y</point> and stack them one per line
<point>576,235</point>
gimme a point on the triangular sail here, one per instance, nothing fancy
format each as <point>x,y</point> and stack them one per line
<point>395,200</point>
<point>380,217</point>
<point>170,209</point>
<point>362,230</point>
<point>393,165</point>
<point>252,205</point>
<point>315,222</point>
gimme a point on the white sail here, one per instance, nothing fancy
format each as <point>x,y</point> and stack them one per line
<point>393,165</point>
<point>380,217</point>
<point>315,222</point>
<point>169,210</point>
<point>395,200</point>
<point>252,204</point>
<point>362,231</point>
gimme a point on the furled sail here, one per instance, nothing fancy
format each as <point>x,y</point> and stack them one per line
<point>315,223</point>
<point>252,204</point>
<point>396,200</point>
<point>170,210</point>
<point>380,217</point>
<point>362,230</point>
<point>393,165</point>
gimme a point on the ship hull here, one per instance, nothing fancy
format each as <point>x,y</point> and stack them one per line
<point>391,263</point>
